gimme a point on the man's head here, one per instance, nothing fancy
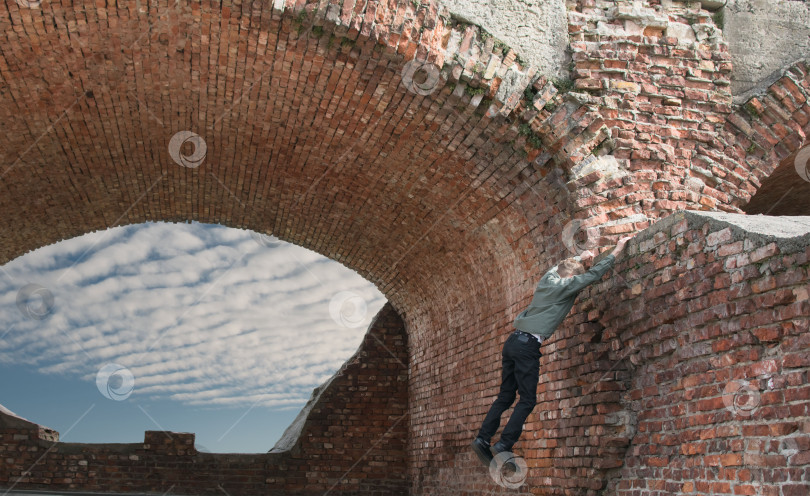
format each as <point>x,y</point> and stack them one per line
<point>570,267</point>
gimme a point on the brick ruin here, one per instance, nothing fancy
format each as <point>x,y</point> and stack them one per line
<point>420,152</point>
<point>365,406</point>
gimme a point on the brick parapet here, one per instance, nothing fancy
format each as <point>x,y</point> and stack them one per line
<point>718,353</point>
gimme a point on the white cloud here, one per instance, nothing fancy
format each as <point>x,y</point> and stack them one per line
<point>201,314</point>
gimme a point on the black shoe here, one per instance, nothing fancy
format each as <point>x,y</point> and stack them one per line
<point>508,463</point>
<point>482,449</point>
<point>499,448</point>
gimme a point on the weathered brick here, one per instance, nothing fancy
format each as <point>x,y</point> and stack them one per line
<point>718,237</point>
<point>763,252</point>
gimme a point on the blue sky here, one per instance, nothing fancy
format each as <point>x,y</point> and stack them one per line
<point>182,327</point>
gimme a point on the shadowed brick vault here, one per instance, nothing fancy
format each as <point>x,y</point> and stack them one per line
<point>419,151</point>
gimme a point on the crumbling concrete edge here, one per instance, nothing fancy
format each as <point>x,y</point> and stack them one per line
<point>293,432</point>
<point>10,420</point>
<point>790,233</point>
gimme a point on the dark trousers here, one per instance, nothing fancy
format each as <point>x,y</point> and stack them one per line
<point>521,371</point>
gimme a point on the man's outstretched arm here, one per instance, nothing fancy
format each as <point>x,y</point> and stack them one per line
<point>597,271</point>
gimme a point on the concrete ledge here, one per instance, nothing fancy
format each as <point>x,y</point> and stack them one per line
<point>790,233</point>
<point>783,227</point>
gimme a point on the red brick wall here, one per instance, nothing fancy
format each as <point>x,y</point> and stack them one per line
<point>642,388</point>
<point>353,442</point>
<point>454,203</point>
<point>637,391</point>
<point>714,322</point>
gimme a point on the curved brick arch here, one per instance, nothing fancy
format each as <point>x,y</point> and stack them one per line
<point>761,141</point>
<point>106,81</point>
<point>98,118</point>
<point>120,186</point>
<point>433,198</point>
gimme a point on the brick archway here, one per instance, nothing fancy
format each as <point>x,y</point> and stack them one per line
<point>764,137</point>
<point>310,135</point>
<point>453,202</point>
<point>441,199</point>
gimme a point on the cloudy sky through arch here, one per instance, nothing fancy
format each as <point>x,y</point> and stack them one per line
<point>188,319</point>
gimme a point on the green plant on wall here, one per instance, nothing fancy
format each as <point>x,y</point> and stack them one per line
<point>531,138</point>
<point>300,22</point>
<point>500,46</point>
<point>474,91</point>
<point>529,93</point>
<point>535,141</point>
<point>751,110</point>
<point>563,85</point>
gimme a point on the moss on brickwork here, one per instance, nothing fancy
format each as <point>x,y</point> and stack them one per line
<point>529,94</point>
<point>751,110</point>
<point>531,137</point>
<point>474,91</point>
<point>563,85</point>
